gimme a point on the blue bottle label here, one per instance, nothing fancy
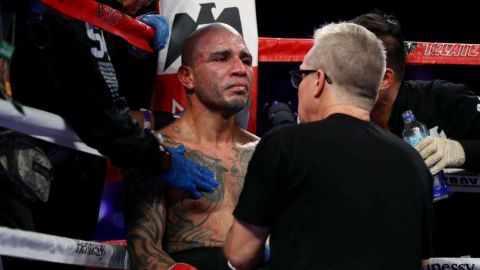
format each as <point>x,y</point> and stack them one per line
<point>414,140</point>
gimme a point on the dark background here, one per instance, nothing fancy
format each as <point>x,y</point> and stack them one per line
<point>449,22</point>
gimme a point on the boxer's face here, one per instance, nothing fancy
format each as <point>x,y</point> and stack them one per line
<point>223,72</point>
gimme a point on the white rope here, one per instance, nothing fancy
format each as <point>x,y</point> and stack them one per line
<point>42,125</point>
<point>44,247</point>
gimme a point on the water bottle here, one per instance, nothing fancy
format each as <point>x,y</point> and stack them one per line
<point>413,132</point>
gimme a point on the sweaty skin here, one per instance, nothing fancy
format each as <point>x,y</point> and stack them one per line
<point>168,220</point>
<point>205,222</point>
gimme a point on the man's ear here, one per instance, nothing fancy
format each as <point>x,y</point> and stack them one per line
<point>185,76</point>
<point>388,79</point>
<point>319,83</point>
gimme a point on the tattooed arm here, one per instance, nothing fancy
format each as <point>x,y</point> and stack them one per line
<point>145,215</point>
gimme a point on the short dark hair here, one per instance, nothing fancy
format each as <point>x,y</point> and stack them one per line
<point>387,28</point>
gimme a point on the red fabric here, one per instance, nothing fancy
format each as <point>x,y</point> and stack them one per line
<point>107,18</point>
<point>443,53</point>
<point>283,49</point>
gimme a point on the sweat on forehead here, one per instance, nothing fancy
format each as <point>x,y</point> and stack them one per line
<point>196,39</point>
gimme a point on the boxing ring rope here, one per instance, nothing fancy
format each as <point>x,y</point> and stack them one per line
<point>50,127</point>
<point>419,53</point>
<point>49,248</point>
<point>42,125</point>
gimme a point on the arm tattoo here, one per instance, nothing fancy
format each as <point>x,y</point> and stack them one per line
<point>145,226</point>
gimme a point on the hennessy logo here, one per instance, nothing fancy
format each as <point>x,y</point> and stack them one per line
<point>453,266</point>
<point>183,25</point>
<point>91,249</point>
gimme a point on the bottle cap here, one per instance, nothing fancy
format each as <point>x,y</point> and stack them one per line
<point>408,116</point>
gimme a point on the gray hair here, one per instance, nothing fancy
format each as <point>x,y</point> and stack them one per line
<point>353,57</point>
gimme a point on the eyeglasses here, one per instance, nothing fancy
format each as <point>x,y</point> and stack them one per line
<point>296,76</point>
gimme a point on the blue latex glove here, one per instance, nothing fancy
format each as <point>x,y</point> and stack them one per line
<point>188,175</point>
<point>162,31</point>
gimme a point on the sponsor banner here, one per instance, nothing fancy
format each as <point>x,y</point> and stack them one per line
<point>185,16</point>
<point>442,53</point>
<point>50,248</point>
<point>453,264</point>
<point>462,181</point>
<point>293,50</point>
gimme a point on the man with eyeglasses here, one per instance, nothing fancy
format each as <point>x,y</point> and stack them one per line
<point>336,191</point>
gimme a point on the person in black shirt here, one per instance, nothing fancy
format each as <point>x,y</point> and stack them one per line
<point>441,105</point>
<point>336,191</point>
<point>449,109</point>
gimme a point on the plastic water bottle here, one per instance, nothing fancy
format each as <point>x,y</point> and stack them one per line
<point>414,132</point>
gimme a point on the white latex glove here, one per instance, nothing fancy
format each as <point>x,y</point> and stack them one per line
<point>439,153</point>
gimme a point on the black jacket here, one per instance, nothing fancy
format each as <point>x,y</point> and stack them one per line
<point>63,66</point>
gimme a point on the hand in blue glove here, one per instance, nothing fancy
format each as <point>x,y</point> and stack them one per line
<point>188,175</point>
<point>162,31</point>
